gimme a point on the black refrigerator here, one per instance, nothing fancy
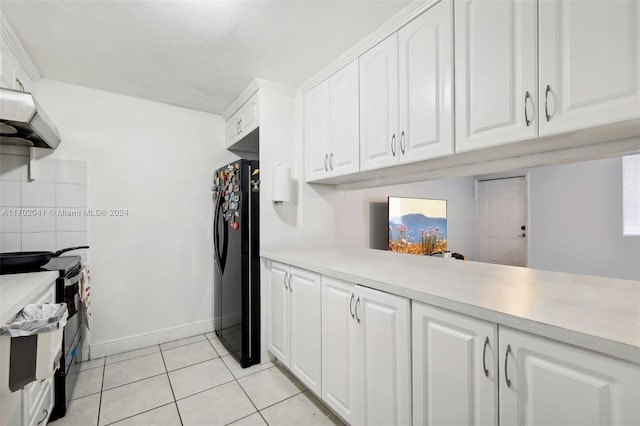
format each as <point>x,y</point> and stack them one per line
<point>236,191</point>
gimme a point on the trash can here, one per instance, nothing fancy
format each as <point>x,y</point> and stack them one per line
<point>36,343</point>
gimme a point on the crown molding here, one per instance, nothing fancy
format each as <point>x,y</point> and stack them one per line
<point>12,40</point>
<point>256,85</point>
<point>399,20</point>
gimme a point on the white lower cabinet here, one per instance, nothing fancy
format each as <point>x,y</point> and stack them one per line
<point>294,328</point>
<point>544,382</point>
<point>455,368</point>
<point>366,361</point>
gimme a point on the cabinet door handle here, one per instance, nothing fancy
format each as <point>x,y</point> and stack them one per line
<point>393,144</point>
<point>326,157</point>
<point>20,85</point>
<point>402,142</point>
<point>46,413</point>
<point>240,125</point>
<point>289,282</point>
<point>331,161</point>
<point>357,316</point>
<point>484,352</point>
<point>351,306</point>
<point>506,360</point>
<point>546,102</point>
<point>284,280</point>
<point>526,115</point>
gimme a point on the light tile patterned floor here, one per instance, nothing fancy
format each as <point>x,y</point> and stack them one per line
<point>191,382</point>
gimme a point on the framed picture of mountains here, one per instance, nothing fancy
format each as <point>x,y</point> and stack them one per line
<point>417,225</point>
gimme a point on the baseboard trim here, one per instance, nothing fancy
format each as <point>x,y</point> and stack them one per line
<point>147,339</point>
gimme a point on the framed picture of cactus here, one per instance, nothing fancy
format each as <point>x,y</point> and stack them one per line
<point>417,225</point>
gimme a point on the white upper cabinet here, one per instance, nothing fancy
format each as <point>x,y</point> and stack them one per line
<point>426,85</point>
<point>495,73</point>
<point>332,134</point>
<point>589,63</point>
<point>244,121</point>
<point>317,131</point>
<point>379,139</point>
<point>344,125</point>
<point>544,382</point>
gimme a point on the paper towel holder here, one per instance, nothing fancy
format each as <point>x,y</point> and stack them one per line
<point>281,184</point>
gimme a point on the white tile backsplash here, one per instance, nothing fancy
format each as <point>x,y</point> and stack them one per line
<point>38,241</point>
<point>71,195</point>
<point>59,184</point>
<point>8,221</point>
<point>38,194</point>
<point>10,242</point>
<point>73,239</point>
<point>10,194</point>
<point>70,171</point>
<point>39,223</point>
<point>71,223</point>
<point>46,169</point>
<point>13,167</point>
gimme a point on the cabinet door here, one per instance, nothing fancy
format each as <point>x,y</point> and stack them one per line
<point>379,143</point>
<point>344,156</point>
<point>233,129</point>
<point>589,63</point>
<point>556,384</point>
<point>316,145</point>
<point>496,64</point>
<point>426,86</point>
<point>249,116</point>
<point>450,354</point>
<point>8,66</point>
<point>339,348</point>
<point>279,313</point>
<point>306,328</point>
<point>384,358</point>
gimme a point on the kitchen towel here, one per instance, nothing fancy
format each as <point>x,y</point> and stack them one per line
<point>85,295</point>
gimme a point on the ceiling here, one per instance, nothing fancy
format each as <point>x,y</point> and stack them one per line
<point>193,54</point>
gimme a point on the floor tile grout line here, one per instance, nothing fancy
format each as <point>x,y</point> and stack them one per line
<point>184,344</point>
<point>101,389</point>
<point>204,390</point>
<point>166,371</point>
<point>143,412</point>
<point>133,357</point>
<point>251,401</point>
<point>282,400</point>
<point>195,363</point>
<point>135,381</point>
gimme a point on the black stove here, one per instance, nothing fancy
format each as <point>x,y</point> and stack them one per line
<point>68,266</point>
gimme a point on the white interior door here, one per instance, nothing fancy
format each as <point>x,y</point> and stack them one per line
<point>384,358</point>
<point>502,220</point>
<point>339,347</point>
<point>589,63</point>
<point>279,313</point>
<point>306,327</point>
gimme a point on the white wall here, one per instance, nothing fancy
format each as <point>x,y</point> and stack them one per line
<point>152,271</point>
<point>352,212</point>
<point>576,220</point>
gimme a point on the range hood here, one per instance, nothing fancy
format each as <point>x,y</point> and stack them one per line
<point>23,123</point>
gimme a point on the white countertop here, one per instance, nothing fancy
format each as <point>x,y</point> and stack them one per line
<point>601,314</point>
<point>17,290</point>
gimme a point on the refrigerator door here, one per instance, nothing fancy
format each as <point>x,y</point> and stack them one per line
<point>236,255</point>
